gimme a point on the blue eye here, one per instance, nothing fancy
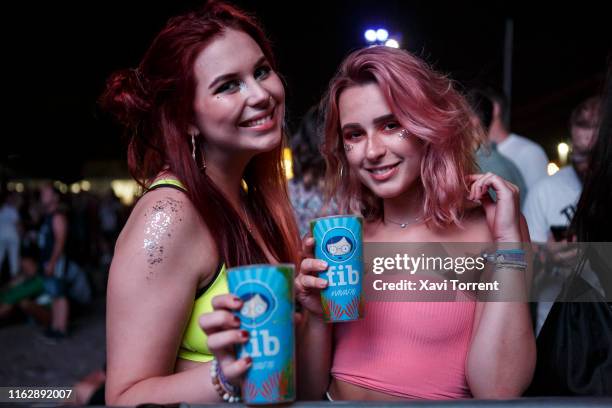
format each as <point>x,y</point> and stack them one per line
<point>228,86</point>
<point>262,72</point>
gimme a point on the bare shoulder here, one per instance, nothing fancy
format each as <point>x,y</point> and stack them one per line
<point>165,229</point>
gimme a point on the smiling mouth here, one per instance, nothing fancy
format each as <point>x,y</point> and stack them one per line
<point>258,122</point>
<point>382,170</point>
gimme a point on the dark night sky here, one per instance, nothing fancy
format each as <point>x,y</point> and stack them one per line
<point>59,56</point>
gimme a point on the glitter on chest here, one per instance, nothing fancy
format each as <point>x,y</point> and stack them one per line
<point>157,228</point>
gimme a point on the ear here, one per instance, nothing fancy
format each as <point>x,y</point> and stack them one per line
<point>496,110</point>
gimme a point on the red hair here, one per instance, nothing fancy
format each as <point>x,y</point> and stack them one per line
<point>428,107</point>
<point>155,104</point>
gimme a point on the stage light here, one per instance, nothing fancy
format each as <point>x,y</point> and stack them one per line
<point>370,35</point>
<point>392,43</point>
<point>382,34</point>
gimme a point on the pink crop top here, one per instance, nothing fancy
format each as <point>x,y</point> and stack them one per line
<point>407,349</point>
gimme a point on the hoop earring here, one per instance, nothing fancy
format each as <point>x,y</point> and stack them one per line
<point>193,154</point>
<point>193,148</point>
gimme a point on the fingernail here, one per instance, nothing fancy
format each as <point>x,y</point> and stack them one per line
<point>248,360</point>
<point>236,319</point>
<point>321,264</point>
<point>244,334</point>
<point>322,283</point>
<point>237,299</point>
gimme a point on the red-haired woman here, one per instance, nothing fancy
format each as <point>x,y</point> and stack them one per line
<point>204,110</point>
<point>399,145</point>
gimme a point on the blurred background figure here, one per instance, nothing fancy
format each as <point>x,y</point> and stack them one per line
<point>52,238</point>
<point>488,157</point>
<point>528,156</point>
<point>575,343</point>
<point>109,214</point>
<point>23,289</point>
<point>9,232</point>
<point>306,188</point>
<point>551,204</point>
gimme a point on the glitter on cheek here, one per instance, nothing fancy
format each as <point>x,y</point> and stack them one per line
<point>243,87</point>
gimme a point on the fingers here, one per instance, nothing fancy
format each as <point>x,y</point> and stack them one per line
<point>218,320</point>
<point>312,266</point>
<point>222,342</point>
<point>233,370</point>
<point>482,182</point>
<point>308,243</point>
<point>307,282</point>
<point>227,302</point>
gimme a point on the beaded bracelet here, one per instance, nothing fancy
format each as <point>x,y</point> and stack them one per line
<point>226,390</point>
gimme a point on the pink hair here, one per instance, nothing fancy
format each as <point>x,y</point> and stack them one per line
<point>428,107</point>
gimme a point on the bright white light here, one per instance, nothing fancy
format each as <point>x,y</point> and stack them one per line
<point>563,150</point>
<point>126,190</point>
<point>85,185</point>
<point>370,35</point>
<point>382,34</point>
<point>392,43</point>
<point>19,187</point>
<point>75,188</point>
<point>552,168</point>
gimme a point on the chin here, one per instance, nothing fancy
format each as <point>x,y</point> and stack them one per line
<point>266,143</point>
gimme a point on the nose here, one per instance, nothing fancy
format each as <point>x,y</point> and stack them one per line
<point>258,96</point>
<point>375,148</point>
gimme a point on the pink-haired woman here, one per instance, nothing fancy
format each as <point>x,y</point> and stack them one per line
<point>399,148</point>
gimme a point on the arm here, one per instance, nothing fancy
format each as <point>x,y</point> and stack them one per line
<point>151,291</point>
<point>60,229</point>
<point>501,359</point>
<point>314,335</point>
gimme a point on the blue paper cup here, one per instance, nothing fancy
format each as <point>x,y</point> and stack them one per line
<point>339,242</point>
<point>267,314</point>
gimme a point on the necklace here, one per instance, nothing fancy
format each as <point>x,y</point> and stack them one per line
<point>401,224</point>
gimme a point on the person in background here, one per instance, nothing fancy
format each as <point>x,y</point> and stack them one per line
<point>52,238</point>
<point>551,204</point>
<point>488,157</point>
<point>528,156</point>
<point>9,232</point>
<point>306,188</point>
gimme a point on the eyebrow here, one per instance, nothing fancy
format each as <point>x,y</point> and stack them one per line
<point>377,121</point>
<point>232,75</point>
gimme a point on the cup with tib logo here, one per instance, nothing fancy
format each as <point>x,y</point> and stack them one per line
<point>339,242</point>
<point>267,315</point>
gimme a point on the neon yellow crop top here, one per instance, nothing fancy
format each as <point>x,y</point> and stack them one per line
<point>194,344</point>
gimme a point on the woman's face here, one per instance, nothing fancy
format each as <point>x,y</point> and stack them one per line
<point>385,157</point>
<point>239,100</point>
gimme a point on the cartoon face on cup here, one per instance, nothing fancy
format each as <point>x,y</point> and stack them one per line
<point>339,247</point>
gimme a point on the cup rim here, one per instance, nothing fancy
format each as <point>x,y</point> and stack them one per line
<point>337,216</point>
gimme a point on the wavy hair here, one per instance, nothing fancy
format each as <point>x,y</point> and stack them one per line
<point>428,106</point>
<point>155,104</point>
